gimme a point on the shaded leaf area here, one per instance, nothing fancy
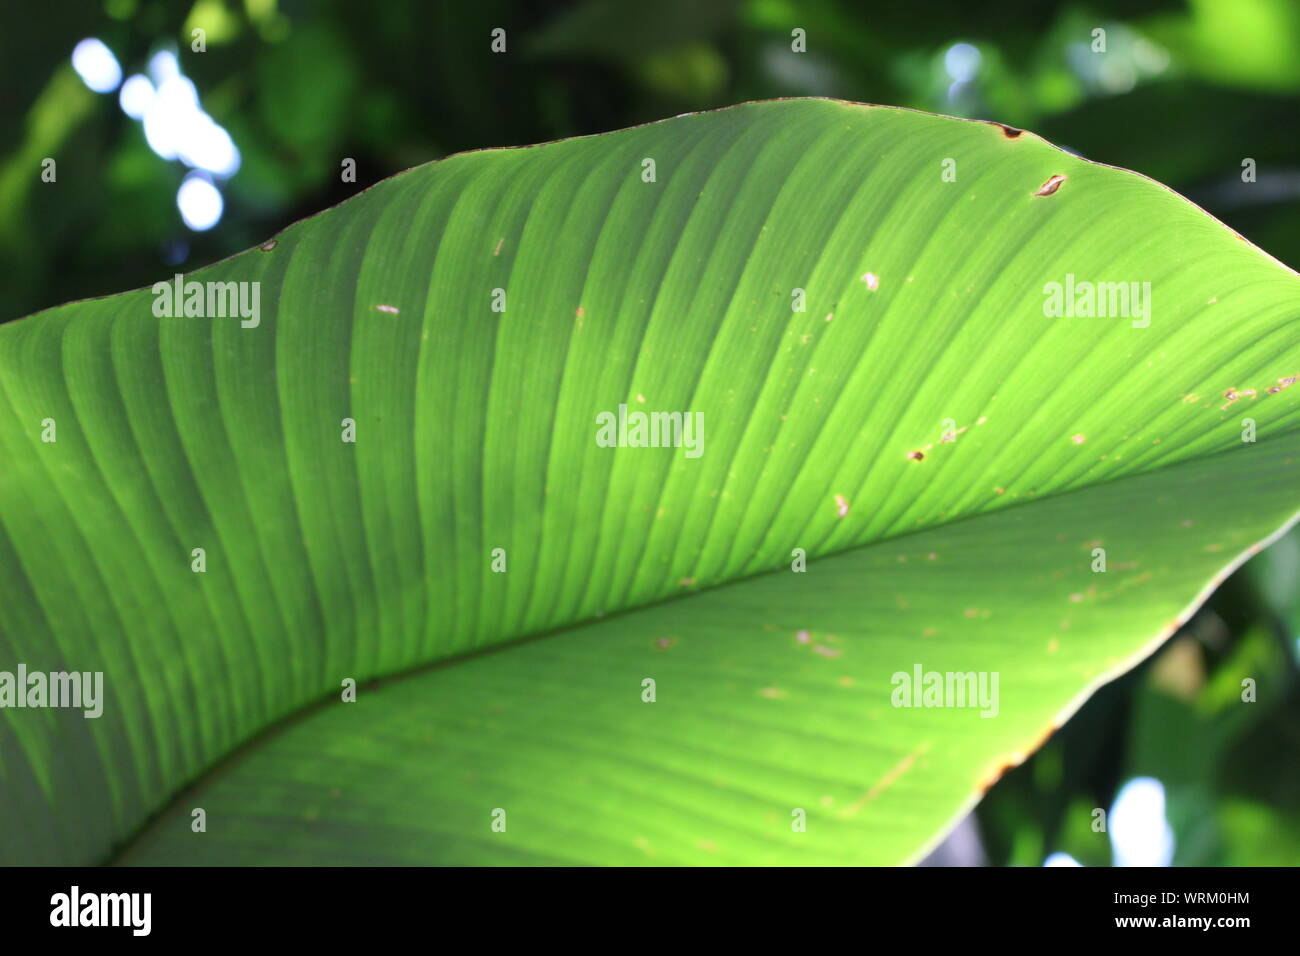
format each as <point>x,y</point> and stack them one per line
<point>773,695</point>
<point>823,430</point>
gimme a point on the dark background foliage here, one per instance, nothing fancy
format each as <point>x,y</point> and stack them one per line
<point>1185,92</point>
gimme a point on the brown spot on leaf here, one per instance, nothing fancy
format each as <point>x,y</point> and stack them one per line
<point>1233,395</point>
<point>1052,185</point>
<point>1015,758</point>
<point>1010,132</point>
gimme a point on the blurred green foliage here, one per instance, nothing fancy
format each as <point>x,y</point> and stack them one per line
<point>1185,91</point>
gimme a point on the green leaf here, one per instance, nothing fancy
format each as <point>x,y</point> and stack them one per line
<point>476,430</point>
